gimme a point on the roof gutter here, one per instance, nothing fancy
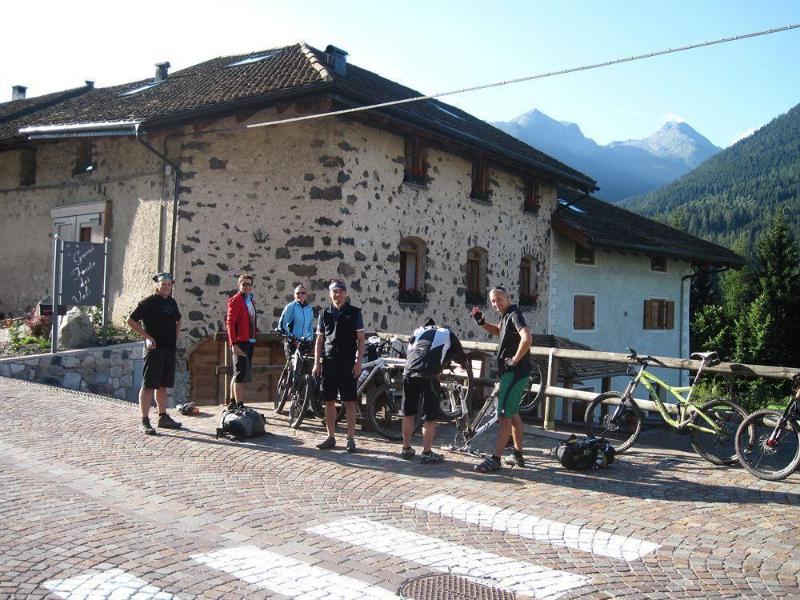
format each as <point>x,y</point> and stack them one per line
<point>81,130</point>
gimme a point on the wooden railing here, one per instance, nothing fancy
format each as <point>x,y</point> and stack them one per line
<point>553,355</point>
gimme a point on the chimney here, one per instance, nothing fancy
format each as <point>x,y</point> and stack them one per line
<point>162,70</point>
<point>18,92</point>
<point>336,58</point>
<point>90,84</point>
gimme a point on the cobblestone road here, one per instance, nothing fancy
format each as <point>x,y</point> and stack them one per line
<point>92,509</point>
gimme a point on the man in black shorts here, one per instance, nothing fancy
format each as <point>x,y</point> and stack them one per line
<point>337,355</point>
<point>162,321</point>
<point>514,366</point>
<point>432,348</point>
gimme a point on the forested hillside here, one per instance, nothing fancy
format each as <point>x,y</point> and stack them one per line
<point>738,191</point>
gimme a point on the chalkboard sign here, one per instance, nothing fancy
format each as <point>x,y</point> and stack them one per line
<point>82,273</point>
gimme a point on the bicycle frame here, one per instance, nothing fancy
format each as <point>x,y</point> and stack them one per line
<point>790,412</point>
<point>686,409</point>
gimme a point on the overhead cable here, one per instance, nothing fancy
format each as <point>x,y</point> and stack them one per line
<point>589,67</point>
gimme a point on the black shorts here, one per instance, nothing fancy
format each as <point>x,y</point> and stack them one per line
<point>159,369</point>
<point>243,365</point>
<point>337,379</point>
<point>421,391</point>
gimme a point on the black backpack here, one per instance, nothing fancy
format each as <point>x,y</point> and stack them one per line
<point>584,454</point>
<point>241,424</point>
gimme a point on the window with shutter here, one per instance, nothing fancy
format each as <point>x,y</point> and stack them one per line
<point>415,165</point>
<point>583,312</point>
<point>480,180</point>
<point>533,195</point>
<point>659,314</point>
<point>412,270</point>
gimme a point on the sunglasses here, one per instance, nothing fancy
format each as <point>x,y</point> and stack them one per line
<point>299,293</point>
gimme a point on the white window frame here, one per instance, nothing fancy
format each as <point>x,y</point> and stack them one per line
<point>90,214</point>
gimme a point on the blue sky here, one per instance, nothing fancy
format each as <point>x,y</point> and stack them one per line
<point>440,45</point>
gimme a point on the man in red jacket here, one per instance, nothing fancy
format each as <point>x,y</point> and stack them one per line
<point>241,323</point>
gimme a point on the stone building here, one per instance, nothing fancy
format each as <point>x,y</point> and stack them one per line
<point>418,206</point>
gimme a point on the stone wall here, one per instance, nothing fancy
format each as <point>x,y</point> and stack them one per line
<point>331,201</point>
<point>302,202</point>
<point>109,370</point>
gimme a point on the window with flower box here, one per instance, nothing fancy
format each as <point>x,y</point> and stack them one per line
<point>412,270</point>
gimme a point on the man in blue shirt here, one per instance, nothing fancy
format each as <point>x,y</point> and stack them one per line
<point>297,320</point>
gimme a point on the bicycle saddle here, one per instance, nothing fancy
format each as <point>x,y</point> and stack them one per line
<point>710,358</point>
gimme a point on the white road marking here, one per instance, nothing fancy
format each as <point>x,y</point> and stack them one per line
<point>111,583</point>
<point>536,528</point>
<point>484,567</point>
<point>290,577</point>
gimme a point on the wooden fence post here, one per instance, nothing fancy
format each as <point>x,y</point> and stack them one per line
<point>550,402</point>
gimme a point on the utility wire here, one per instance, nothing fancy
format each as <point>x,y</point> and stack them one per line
<point>600,65</point>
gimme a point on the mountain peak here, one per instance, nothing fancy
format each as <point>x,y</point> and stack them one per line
<point>676,140</point>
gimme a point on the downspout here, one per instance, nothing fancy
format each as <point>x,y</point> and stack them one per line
<point>175,193</point>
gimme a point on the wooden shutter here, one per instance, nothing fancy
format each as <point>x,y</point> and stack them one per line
<point>670,315</point>
<point>647,322</point>
<point>583,312</point>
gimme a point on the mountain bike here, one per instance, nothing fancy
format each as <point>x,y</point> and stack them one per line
<point>469,427</point>
<point>711,426</point>
<point>768,441</point>
<point>295,384</point>
<point>378,375</point>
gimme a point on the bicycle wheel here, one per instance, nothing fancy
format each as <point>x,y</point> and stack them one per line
<point>453,393</point>
<point>383,413</point>
<point>300,399</point>
<point>717,448</point>
<point>532,397</point>
<point>282,392</point>
<point>317,405</point>
<point>772,461</point>
<point>620,425</point>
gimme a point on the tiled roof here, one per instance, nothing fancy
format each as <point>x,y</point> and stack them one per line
<point>602,225</point>
<point>215,84</point>
<point>576,370</point>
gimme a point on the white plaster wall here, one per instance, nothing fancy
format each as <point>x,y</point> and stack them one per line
<point>620,283</point>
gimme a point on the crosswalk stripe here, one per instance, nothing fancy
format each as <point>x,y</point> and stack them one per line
<point>536,528</point>
<point>441,555</point>
<point>110,583</point>
<point>283,575</point>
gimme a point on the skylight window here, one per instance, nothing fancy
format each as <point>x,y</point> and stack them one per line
<point>152,84</point>
<point>254,59</point>
<point>572,207</point>
<point>444,110</point>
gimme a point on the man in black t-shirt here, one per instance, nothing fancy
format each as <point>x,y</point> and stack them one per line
<point>514,366</point>
<point>337,356</point>
<point>158,320</point>
<point>431,350</point>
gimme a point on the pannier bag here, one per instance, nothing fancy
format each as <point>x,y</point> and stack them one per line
<point>242,424</point>
<point>584,454</point>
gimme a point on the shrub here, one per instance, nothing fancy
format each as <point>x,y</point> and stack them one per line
<point>39,325</point>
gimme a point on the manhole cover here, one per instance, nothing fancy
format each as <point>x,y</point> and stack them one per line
<point>451,587</point>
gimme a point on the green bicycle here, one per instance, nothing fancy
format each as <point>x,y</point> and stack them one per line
<point>711,426</point>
